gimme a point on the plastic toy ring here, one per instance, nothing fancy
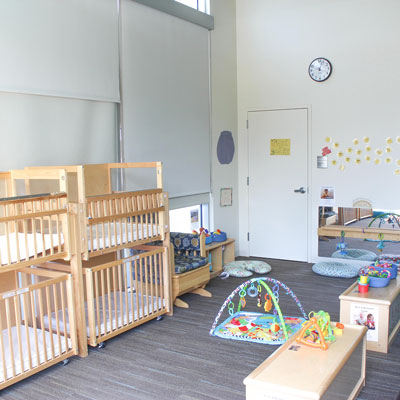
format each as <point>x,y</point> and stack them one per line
<point>242,293</point>
<point>252,291</point>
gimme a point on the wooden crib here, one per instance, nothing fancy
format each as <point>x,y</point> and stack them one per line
<point>34,230</point>
<point>111,224</point>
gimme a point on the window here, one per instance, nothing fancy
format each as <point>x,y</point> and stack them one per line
<point>201,5</point>
<point>188,219</point>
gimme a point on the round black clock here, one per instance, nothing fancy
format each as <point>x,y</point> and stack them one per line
<point>320,69</point>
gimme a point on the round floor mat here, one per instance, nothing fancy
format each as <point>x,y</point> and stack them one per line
<point>336,269</point>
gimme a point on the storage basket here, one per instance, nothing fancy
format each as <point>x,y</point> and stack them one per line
<point>377,282</point>
<point>221,237</point>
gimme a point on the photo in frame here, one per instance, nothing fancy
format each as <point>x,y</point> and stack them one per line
<point>226,197</point>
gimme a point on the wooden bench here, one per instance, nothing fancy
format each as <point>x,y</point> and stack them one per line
<point>298,371</point>
<point>383,304</point>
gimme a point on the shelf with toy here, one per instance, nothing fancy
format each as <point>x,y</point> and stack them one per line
<point>300,371</point>
<point>221,253</point>
<point>378,309</point>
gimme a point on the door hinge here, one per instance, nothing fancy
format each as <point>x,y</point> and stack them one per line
<point>248,181</point>
<point>248,236</point>
<point>247,123</point>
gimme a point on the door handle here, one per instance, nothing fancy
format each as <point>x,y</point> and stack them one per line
<point>301,190</point>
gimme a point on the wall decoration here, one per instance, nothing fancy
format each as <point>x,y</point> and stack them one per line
<point>322,162</point>
<point>389,140</point>
<point>327,196</point>
<point>366,139</point>
<point>225,147</point>
<point>388,149</point>
<point>280,147</point>
<point>367,158</point>
<point>368,148</point>
<point>226,197</point>
<point>194,216</point>
<point>378,152</point>
<point>398,139</point>
<point>366,315</point>
<point>356,142</point>
<point>326,150</point>
<point>329,139</point>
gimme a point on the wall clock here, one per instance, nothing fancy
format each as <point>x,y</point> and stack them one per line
<point>320,69</point>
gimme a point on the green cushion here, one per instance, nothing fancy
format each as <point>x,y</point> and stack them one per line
<point>237,271</point>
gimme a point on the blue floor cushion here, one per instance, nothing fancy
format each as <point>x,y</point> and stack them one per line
<point>356,254</point>
<point>336,269</point>
<point>242,269</point>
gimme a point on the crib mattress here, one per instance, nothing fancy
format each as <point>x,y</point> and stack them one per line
<point>120,233</point>
<point>26,249</point>
<point>31,339</point>
<point>112,321</point>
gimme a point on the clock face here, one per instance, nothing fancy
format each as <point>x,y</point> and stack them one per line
<point>320,69</point>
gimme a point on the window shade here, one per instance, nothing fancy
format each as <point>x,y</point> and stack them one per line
<point>40,130</point>
<point>165,96</point>
<point>66,48</point>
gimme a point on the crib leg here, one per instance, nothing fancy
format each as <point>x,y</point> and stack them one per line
<point>65,362</point>
<point>101,345</point>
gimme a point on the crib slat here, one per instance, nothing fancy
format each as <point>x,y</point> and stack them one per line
<point>113,272</point>
<point>108,203</point>
<point>25,303</point>
<point>2,350</point>
<point>42,326</point>
<point>142,300</point>
<point>137,310</point>
<point>91,314</point>
<point>152,283</point>
<point>25,231</point>
<point>127,290</point>
<point>103,226</point>
<point>103,296</point>
<point>96,282</point>
<point>146,285</point>
<point>10,337</point>
<point>131,288</point>
<point>56,311</point>
<point>64,316</point>
<point>17,310</point>
<point>50,321</point>
<point>110,316</point>
<point>120,289</point>
<point>34,323</point>
<point>156,276</point>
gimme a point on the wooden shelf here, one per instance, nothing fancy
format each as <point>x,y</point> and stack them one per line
<point>221,253</point>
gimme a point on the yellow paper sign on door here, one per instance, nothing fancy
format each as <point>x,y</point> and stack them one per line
<point>280,147</point>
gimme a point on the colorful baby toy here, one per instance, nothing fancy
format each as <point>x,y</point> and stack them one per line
<point>272,328</point>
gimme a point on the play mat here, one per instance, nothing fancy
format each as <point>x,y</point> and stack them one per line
<point>268,328</point>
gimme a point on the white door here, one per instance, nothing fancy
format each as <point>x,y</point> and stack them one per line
<point>278,187</point>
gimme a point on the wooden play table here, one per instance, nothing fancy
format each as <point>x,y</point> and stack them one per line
<point>383,304</point>
<point>298,371</point>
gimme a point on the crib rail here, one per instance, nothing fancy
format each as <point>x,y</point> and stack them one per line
<point>126,293</point>
<point>33,229</point>
<point>26,344</point>
<point>119,220</point>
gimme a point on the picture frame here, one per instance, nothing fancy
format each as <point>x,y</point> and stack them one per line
<point>226,197</point>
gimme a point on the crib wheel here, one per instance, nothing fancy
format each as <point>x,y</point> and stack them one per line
<point>102,345</point>
<point>65,362</point>
<point>159,318</point>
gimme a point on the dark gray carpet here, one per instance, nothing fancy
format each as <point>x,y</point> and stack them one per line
<point>176,358</point>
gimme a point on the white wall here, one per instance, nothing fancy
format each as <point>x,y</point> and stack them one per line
<point>224,111</point>
<point>277,40</point>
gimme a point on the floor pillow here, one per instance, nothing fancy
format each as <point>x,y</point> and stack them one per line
<point>336,269</point>
<point>236,271</point>
<point>356,254</point>
<point>259,267</point>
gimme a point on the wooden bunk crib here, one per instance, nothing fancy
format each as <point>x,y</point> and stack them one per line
<point>122,282</point>
<point>34,230</point>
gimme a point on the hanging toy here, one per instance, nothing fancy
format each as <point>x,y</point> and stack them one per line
<point>242,293</point>
<point>259,304</point>
<point>268,303</point>
<point>342,244</point>
<point>381,244</point>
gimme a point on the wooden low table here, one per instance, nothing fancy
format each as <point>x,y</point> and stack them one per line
<point>384,306</point>
<point>298,371</point>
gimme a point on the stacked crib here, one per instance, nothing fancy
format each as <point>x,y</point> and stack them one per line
<point>120,281</point>
<point>34,231</point>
